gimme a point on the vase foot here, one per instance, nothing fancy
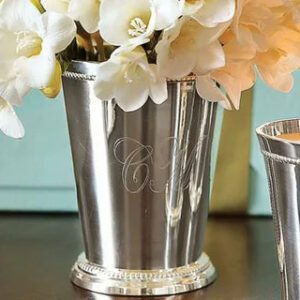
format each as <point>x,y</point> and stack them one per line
<point>184,279</point>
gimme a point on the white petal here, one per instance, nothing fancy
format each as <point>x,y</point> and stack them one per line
<point>215,12</point>
<point>6,70</point>
<point>9,121</point>
<point>59,6</point>
<point>158,88</point>
<point>207,35</point>
<point>9,92</point>
<point>104,90</point>
<point>107,71</point>
<point>104,85</point>
<point>8,44</point>
<point>131,96</point>
<point>208,90</point>
<point>17,15</point>
<point>177,66</point>
<point>59,31</point>
<point>36,71</point>
<point>167,12</point>
<point>13,91</point>
<point>87,12</point>
<point>210,58</point>
<point>22,89</point>
<point>11,88</point>
<point>176,59</point>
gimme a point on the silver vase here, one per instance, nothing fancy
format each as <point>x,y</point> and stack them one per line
<point>143,188</point>
<point>282,159</point>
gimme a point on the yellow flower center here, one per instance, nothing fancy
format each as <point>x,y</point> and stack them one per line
<point>137,27</point>
<point>28,43</point>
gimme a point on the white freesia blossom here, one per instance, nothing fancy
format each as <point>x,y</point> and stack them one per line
<point>86,12</point>
<point>134,21</point>
<point>9,121</point>
<point>189,47</point>
<point>29,41</point>
<point>130,80</point>
<point>209,13</point>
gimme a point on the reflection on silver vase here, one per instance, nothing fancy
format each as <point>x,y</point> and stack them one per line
<point>143,188</point>
<point>282,159</point>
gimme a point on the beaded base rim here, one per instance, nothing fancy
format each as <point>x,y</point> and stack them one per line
<point>191,277</point>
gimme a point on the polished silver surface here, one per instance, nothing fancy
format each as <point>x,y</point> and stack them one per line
<point>142,177</point>
<point>282,159</point>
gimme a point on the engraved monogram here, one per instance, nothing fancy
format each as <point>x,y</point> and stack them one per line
<point>140,163</point>
<point>134,163</point>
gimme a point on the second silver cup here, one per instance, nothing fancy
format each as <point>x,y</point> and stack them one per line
<point>279,145</point>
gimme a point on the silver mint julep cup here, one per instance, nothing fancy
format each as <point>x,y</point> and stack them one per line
<point>282,159</point>
<point>143,188</point>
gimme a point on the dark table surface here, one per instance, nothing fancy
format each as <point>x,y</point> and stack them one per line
<point>37,253</point>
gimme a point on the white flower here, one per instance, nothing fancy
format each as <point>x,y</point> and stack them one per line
<point>209,13</point>
<point>29,42</point>
<point>130,80</point>
<point>134,21</point>
<point>123,22</point>
<point>9,121</point>
<point>12,87</point>
<point>189,47</point>
<point>86,12</point>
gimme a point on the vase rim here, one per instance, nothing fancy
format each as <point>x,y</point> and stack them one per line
<point>85,70</point>
<point>277,128</point>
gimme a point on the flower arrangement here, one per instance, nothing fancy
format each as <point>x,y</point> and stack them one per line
<point>139,44</point>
